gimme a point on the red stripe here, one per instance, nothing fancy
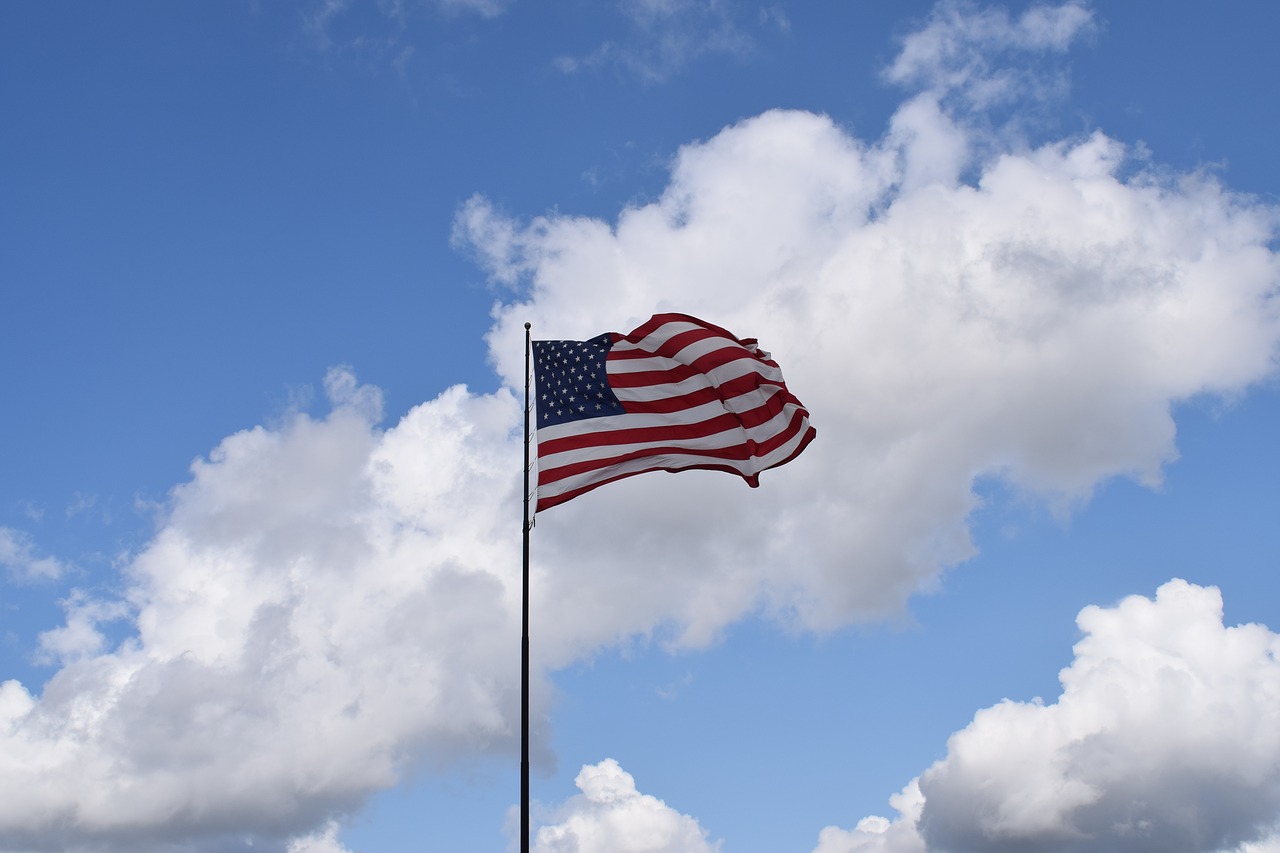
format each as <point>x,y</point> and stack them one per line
<point>639,435</point>
<point>729,350</point>
<point>724,391</point>
<point>752,480</point>
<point>617,353</point>
<point>740,452</point>
<point>667,432</point>
<point>674,343</point>
<point>548,502</point>
<point>737,452</point>
<point>657,321</point>
<point>643,378</point>
<point>668,405</point>
<point>700,367</point>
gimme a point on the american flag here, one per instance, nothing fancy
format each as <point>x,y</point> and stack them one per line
<point>676,394</point>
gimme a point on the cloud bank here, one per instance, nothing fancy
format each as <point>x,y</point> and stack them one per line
<point>330,604</point>
<point>1038,325</point>
<point>326,605</point>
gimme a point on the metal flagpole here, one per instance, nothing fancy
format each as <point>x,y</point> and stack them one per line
<point>524,624</point>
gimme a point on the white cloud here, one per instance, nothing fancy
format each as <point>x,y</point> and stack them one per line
<point>324,840</point>
<point>82,503</point>
<point>343,391</point>
<point>664,36</point>
<point>23,562</point>
<point>79,636</point>
<point>318,19</point>
<point>611,816</point>
<point>383,30</point>
<point>984,57</point>
<point>325,606</point>
<point>777,16</point>
<point>876,834</point>
<point>1037,325</point>
<point>1164,738</point>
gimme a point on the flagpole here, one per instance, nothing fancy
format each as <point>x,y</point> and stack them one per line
<point>524,623</point>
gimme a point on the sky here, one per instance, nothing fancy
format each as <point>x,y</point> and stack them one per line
<point>264,271</point>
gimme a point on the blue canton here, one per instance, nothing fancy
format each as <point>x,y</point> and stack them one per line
<point>571,380</point>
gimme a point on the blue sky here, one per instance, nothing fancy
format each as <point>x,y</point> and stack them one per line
<point>263,269</point>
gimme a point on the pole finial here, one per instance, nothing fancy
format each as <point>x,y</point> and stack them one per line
<point>528,326</point>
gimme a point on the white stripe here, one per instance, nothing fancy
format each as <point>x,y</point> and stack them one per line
<point>752,399</point>
<point>697,414</point>
<point>708,410</point>
<point>663,390</point>
<point>657,363</point>
<point>715,441</point>
<point>739,404</point>
<point>745,467</point>
<point>741,367</point>
<point>784,450</point>
<point>717,375</point>
<point>659,336</point>
<point>647,463</point>
<point>735,435</point>
<point>697,349</point>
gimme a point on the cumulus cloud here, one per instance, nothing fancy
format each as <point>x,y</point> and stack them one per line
<point>611,816</point>
<point>876,834</point>
<point>329,604</point>
<point>1164,738</point>
<point>326,605</point>
<point>1038,325</point>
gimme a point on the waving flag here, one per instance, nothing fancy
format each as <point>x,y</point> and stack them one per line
<point>675,394</point>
